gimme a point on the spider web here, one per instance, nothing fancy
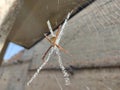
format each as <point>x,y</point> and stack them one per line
<point>66,75</point>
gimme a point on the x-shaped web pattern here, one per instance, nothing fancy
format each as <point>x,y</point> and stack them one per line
<point>55,47</point>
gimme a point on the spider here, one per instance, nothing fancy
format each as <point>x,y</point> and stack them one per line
<point>53,40</point>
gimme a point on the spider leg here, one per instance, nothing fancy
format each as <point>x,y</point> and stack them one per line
<point>58,46</point>
<point>48,38</point>
<point>62,49</point>
<point>46,52</point>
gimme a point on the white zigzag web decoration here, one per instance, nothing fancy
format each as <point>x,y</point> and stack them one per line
<point>56,49</point>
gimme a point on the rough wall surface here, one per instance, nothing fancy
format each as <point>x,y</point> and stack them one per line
<point>81,80</point>
<point>13,77</point>
<point>93,38</point>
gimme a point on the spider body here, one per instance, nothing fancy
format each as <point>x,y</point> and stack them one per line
<point>52,40</point>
